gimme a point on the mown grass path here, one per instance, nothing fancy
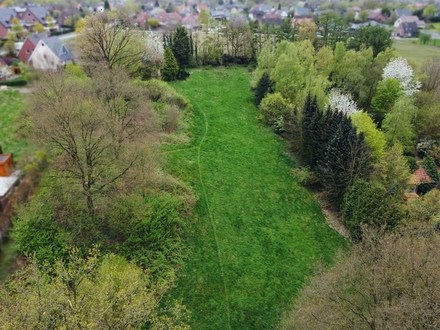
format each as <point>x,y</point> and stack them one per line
<point>255,234</point>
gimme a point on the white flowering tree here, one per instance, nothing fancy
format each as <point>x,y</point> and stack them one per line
<point>400,70</point>
<point>342,102</point>
<point>154,47</point>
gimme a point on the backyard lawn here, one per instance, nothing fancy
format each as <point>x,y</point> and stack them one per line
<point>255,234</point>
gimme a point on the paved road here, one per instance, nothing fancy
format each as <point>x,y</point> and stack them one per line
<point>67,36</point>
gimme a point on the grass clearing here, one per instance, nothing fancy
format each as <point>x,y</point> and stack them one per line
<point>255,234</point>
<point>11,106</point>
<point>413,51</point>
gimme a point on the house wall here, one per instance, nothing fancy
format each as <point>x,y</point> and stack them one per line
<point>3,31</point>
<point>26,51</point>
<point>30,19</point>
<point>44,59</point>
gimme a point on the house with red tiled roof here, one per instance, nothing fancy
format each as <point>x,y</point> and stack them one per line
<point>420,176</point>
<point>169,19</point>
<point>142,18</point>
<point>190,21</point>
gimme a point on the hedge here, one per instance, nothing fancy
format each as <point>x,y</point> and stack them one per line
<point>14,82</point>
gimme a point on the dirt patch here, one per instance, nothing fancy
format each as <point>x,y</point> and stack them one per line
<point>332,217</point>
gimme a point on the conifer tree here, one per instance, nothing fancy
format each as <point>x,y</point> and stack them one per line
<point>309,123</point>
<point>292,130</point>
<point>264,86</point>
<point>106,5</point>
<point>346,159</point>
<point>170,68</point>
<point>181,47</point>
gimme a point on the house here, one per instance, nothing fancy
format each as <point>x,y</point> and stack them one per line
<point>191,22</point>
<point>407,30</point>
<point>376,16</point>
<point>408,19</point>
<point>8,178</point>
<point>62,18</point>
<point>272,19</point>
<point>402,12</point>
<point>142,18</point>
<point>49,54</point>
<point>169,19</point>
<point>419,176</point>
<point>6,16</point>
<point>34,15</point>
<point>29,45</point>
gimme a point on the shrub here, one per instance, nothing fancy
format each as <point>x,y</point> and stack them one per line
<point>272,107</point>
<point>14,82</point>
<point>425,146</point>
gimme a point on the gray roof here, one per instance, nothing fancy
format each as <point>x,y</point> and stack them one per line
<point>403,12</point>
<point>40,13</point>
<point>58,48</point>
<point>302,12</point>
<point>35,37</point>
<point>410,27</point>
<point>5,16</point>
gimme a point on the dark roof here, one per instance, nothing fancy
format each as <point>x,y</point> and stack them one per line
<point>5,16</point>
<point>58,48</point>
<point>40,12</point>
<point>35,37</point>
<point>302,12</point>
<point>410,27</point>
<point>403,12</point>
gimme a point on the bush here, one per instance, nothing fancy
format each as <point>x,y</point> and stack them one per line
<point>304,176</point>
<point>425,146</point>
<point>273,107</point>
<point>14,83</point>
<point>159,91</point>
<point>412,163</point>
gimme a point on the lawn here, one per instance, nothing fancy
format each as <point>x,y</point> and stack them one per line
<point>413,51</point>
<point>255,234</point>
<point>11,105</point>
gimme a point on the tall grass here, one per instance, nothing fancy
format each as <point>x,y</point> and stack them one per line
<point>255,234</point>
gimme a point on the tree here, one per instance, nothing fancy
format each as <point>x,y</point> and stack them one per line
<point>87,292</point>
<point>398,126</point>
<point>363,15</point>
<point>205,18</point>
<point>386,12</point>
<point>342,102</point>
<point>264,86</point>
<point>170,68</point>
<point>370,204</point>
<point>424,38</point>
<point>109,39</point>
<point>376,37</point>
<point>238,40</point>
<point>106,5</point>
<point>400,69</point>
<point>181,47</point>
<point>306,31</point>
<point>346,159</point>
<point>98,130</point>
<point>429,11</point>
<point>16,29</point>
<point>273,108</point>
<point>387,93</point>
<point>374,137</point>
<point>8,3</point>
<point>392,171</point>
<point>50,23</point>
<point>431,169</point>
<point>9,46</point>
<point>38,28</point>
<point>385,282</point>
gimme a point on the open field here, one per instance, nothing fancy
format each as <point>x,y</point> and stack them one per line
<point>11,105</point>
<point>256,234</point>
<point>413,51</point>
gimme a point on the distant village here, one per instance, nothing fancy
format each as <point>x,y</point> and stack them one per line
<point>30,33</point>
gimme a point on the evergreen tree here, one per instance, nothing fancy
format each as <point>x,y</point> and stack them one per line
<point>106,5</point>
<point>264,86</point>
<point>309,123</point>
<point>292,130</point>
<point>170,68</point>
<point>181,47</point>
<point>346,159</point>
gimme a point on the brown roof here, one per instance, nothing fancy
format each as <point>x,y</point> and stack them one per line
<point>407,196</point>
<point>420,176</point>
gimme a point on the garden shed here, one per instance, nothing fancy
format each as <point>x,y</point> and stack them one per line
<point>6,166</point>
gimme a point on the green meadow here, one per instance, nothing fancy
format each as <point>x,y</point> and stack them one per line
<point>413,51</point>
<point>255,234</point>
<point>11,106</point>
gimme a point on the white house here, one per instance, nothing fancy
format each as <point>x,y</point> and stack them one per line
<point>49,54</point>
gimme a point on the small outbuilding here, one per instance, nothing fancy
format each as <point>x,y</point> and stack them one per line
<point>6,165</point>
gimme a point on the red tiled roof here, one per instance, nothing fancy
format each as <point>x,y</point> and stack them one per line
<point>407,196</point>
<point>420,176</point>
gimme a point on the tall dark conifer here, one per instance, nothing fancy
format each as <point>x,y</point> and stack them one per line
<point>264,86</point>
<point>181,47</point>
<point>346,159</point>
<point>309,116</point>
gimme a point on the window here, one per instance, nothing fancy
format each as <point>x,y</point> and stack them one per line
<point>27,51</point>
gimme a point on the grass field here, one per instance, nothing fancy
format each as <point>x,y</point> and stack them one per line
<point>11,105</point>
<point>414,51</point>
<point>256,234</point>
